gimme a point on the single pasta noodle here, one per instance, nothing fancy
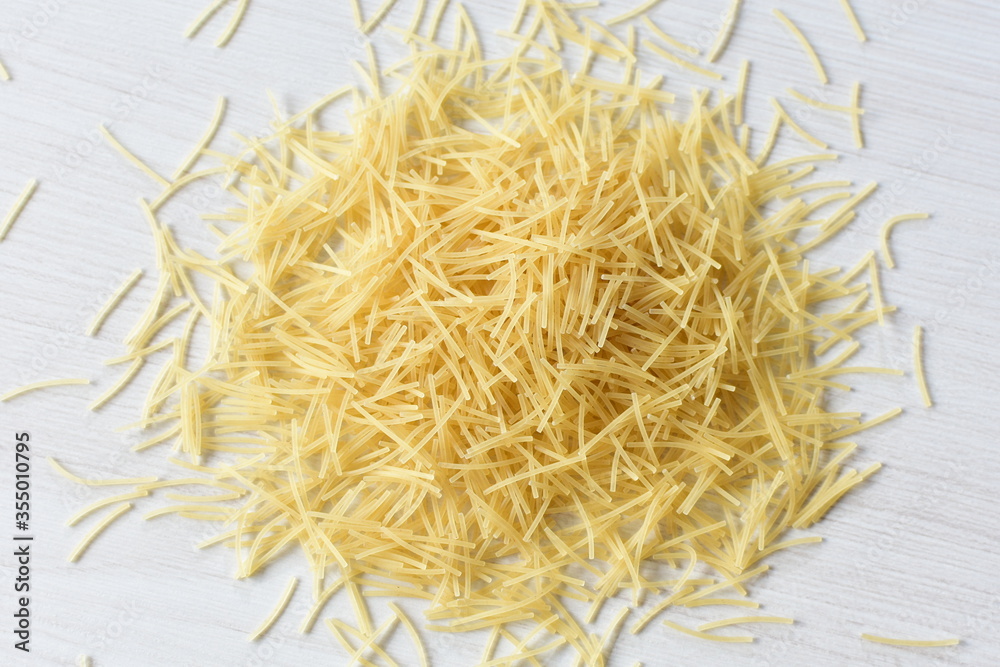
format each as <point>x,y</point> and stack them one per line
<point>113,301</point>
<point>887,230</point>
<point>15,211</point>
<point>918,365</point>
<point>42,384</point>
<point>286,597</point>
<point>806,45</point>
<point>910,642</point>
<point>98,528</point>
<point>853,18</point>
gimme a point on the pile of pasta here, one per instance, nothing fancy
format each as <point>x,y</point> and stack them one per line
<point>521,340</point>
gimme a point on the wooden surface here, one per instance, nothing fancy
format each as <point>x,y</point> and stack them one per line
<point>913,553</point>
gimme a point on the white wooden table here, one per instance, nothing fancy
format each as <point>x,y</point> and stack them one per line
<point>912,553</point>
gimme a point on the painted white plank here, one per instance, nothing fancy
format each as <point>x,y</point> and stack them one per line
<point>912,553</point>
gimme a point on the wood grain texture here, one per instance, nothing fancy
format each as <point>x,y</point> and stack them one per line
<point>914,553</point>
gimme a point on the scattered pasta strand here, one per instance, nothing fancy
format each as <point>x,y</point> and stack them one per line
<point>636,11</point>
<point>728,24</point>
<point>131,157</point>
<point>859,140</point>
<point>607,640</point>
<point>739,620</point>
<point>374,637</point>
<point>204,141</point>
<point>286,597</point>
<point>806,45</point>
<point>686,64</point>
<point>377,17</point>
<point>15,210</point>
<point>418,643</point>
<point>42,384</point>
<point>359,20</point>
<point>204,17</point>
<point>418,15</point>
<point>787,119</point>
<point>722,601</point>
<point>705,635</point>
<point>910,642</point>
<point>118,386</point>
<point>819,104</point>
<point>887,230</point>
<point>98,528</point>
<point>918,365</point>
<point>659,32</point>
<point>317,608</point>
<point>113,301</point>
<point>58,467</point>
<point>853,18</point>
<point>741,90</point>
<point>234,23</point>
<point>141,353</point>
<point>876,289</point>
<point>104,502</point>
<point>772,137</point>
<point>368,643</point>
<point>436,17</point>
